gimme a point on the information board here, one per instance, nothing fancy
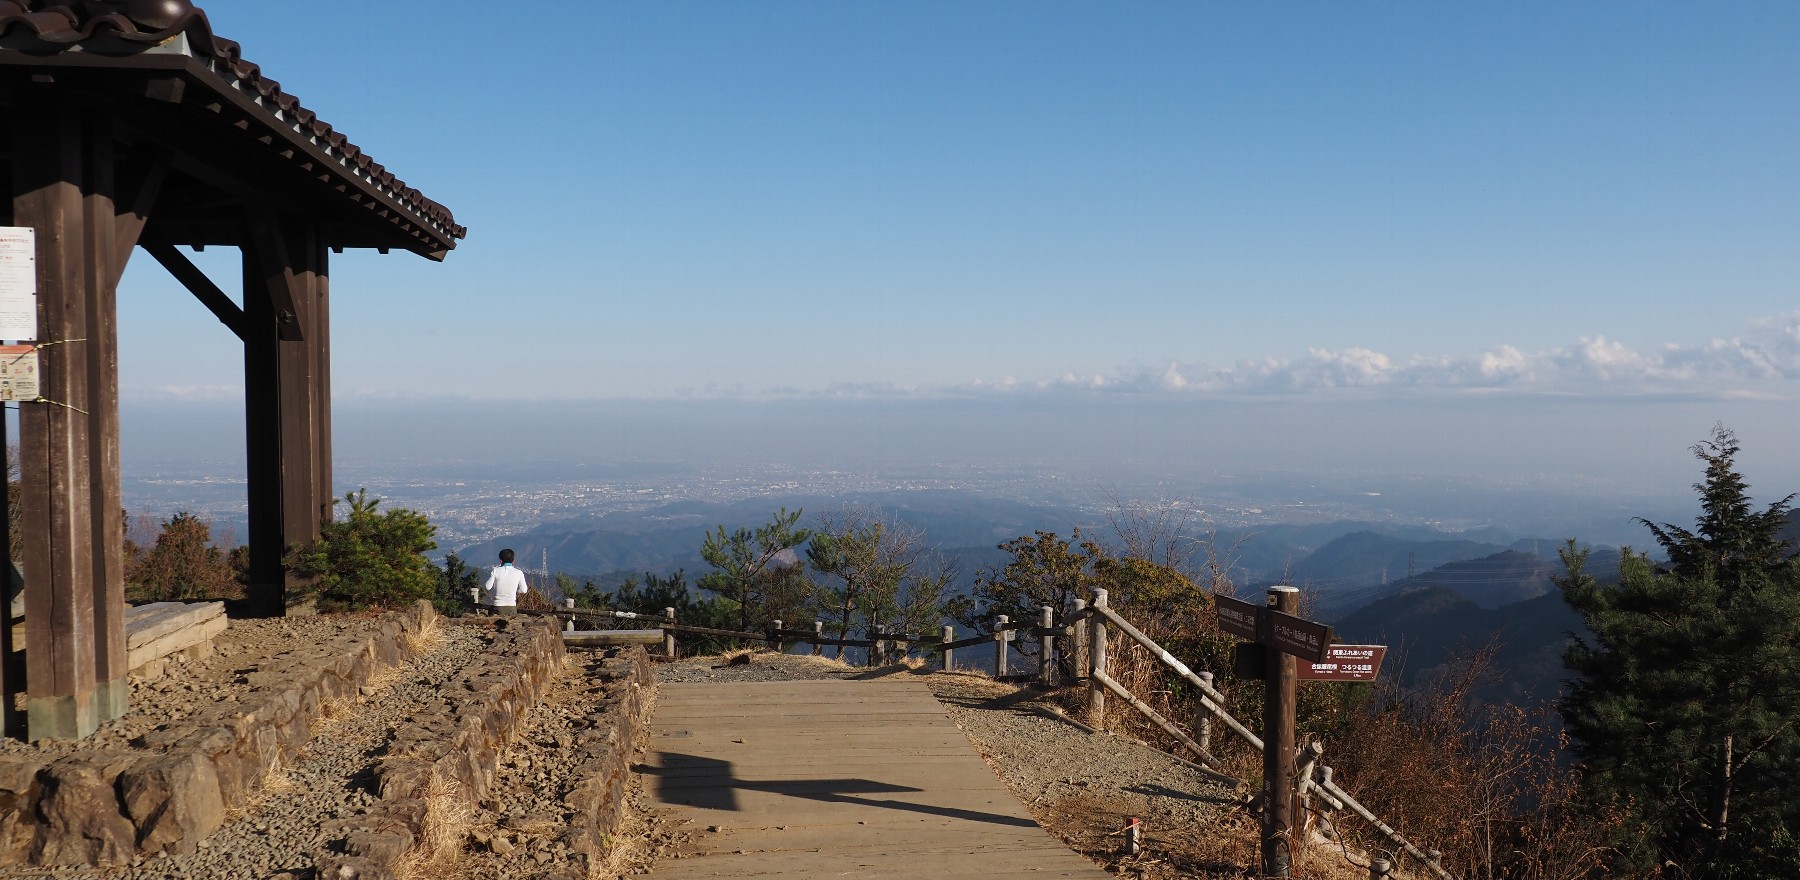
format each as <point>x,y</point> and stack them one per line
<point>18,283</point>
<point>18,372</point>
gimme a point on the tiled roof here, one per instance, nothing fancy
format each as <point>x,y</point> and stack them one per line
<point>124,27</point>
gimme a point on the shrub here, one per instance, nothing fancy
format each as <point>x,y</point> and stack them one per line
<point>370,559</point>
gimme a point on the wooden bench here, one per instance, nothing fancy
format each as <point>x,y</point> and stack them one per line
<point>156,631</point>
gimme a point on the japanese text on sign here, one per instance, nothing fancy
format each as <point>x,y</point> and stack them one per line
<point>18,283</point>
<point>1345,663</point>
<point>1236,616</point>
<point>18,372</point>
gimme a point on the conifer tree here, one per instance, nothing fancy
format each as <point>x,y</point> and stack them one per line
<point>1686,699</point>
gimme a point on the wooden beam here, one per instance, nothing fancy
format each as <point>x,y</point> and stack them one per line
<point>198,284</point>
<point>53,436</point>
<point>270,249</point>
<point>139,183</point>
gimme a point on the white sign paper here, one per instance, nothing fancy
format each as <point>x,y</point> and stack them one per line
<point>18,372</point>
<point>18,283</point>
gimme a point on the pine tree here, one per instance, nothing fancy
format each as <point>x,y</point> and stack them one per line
<point>1686,700</point>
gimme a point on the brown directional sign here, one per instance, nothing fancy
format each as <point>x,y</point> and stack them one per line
<point>1298,636</point>
<point>1237,616</point>
<point>1345,663</point>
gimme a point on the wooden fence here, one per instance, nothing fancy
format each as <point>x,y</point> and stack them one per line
<point>1089,628</point>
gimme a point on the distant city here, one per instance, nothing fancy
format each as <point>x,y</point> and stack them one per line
<point>472,504</point>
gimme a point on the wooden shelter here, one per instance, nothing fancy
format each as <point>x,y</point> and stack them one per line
<point>127,124</point>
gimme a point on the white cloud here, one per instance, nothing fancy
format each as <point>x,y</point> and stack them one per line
<point>1760,364</point>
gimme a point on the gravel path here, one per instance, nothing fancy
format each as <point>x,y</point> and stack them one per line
<point>1083,787</point>
<point>273,836</point>
<point>243,655</point>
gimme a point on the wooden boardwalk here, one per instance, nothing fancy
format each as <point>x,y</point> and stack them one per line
<point>836,778</point>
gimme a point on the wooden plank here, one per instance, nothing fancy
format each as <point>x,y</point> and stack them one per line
<point>176,641</point>
<point>828,778</point>
<point>606,638</point>
<point>149,629</point>
<point>137,612</point>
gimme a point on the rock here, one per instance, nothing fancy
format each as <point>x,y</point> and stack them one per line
<point>174,801</point>
<point>82,823</point>
<point>501,845</point>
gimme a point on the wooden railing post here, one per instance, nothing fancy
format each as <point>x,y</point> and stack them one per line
<point>1278,831</point>
<point>1204,727</point>
<point>949,636</point>
<point>1080,652</point>
<point>1097,665</point>
<point>1000,646</point>
<point>1046,647</point>
<point>1379,869</point>
<point>902,647</point>
<point>775,639</point>
<point>669,634</point>
<point>818,637</point>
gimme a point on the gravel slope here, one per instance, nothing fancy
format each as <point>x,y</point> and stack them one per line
<point>273,836</point>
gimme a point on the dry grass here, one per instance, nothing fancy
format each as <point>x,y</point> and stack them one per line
<point>429,637</point>
<point>448,815</point>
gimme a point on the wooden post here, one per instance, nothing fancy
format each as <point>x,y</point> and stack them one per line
<point>775,639</point>
<point>669,634</point>
<point>949,636</point>
<point>1080,654</point>
<point>1000,647</point>
<point>1046,648</point>
<point>9,678</point>
<point>55,454</point>
<point>1379,869</point>
<point>288,445</point>
<point>1204,726</point>
<point>1097,665</point>
<point>104,265</point>
<point>1278,743</point>
<point>818,635</point>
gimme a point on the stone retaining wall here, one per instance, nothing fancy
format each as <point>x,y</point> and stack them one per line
<point>454,752</point>
<point>597,800</point>
<point>102,807</point>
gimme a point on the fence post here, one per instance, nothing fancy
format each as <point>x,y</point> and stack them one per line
<point>949,636</point>
<point>1280,686</point>
<point>1097,666</point>
<point>669,634</point>
<point>775,639</point>
<point>1379,868</point>
<point>902,647</point>
<point>1000,646</point>
<point>1046,647</point>
<point>818,633</point>
<point>1081,643</point>
<point>1204,728</point>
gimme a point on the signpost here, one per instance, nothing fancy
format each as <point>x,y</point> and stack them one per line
<point>1286,639</point>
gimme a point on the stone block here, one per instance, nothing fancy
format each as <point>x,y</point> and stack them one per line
<point>80,822</point>
<point>173,800</point>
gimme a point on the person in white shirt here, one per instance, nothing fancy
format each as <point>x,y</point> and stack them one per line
<point>504,587</point>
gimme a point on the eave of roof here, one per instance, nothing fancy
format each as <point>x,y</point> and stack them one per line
<point>49,31</point>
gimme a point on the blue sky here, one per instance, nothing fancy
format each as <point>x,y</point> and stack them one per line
<point>1202,201</point>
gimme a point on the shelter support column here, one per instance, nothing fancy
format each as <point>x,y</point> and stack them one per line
<point>54,443</point>
<point>287,400</point>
